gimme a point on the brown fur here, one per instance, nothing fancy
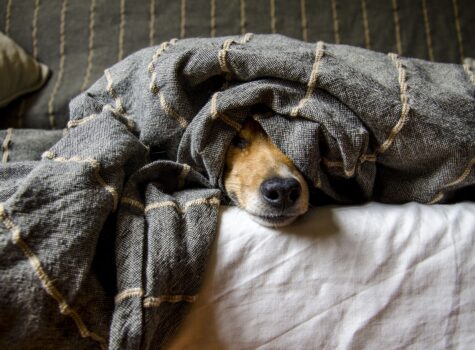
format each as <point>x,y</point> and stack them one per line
<point>256,160</point>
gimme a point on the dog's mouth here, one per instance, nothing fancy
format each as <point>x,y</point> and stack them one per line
<point>273,220</point>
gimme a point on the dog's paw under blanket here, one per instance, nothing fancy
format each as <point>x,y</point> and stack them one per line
<point>138,170</point>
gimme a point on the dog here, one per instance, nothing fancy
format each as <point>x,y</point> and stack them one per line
<point>262,180</point>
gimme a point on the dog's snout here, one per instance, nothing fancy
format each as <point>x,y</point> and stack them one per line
<point>281,192</point>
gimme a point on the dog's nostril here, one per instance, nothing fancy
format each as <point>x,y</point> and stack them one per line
<point>294,194</point>
<point>273,195</point>
<point>280,192</point>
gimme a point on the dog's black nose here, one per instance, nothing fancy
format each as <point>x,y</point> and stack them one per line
<point>280,192</point>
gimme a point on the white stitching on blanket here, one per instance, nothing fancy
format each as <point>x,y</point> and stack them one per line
<point>6,144</point>
<point>170,111</point>
<point>222,56</point>
<point>169,204</point>
<point>90,45</point>
<point>403,118</point>
<point>164,204</point>
<point>150,302</point>
<point>464,175</point>
<point>154,89</point>
<point>128,293</point>
<point>225,48</point>
<point>318,181</point>
<point>118,110</point>
<point>184,173</point>
<point>312,82</point>
<point>214,107</point>
<point>133,203</point>
<point>199,201</point>
<point>95,165</point>
<point>438,197</point>
<point>469,72</point>
<point>405,108</point>
<point>151,66</point>
<point>202,201</point>
<point>46,281</point>
<point>62,59</point>
<point>338,164</point>
<point>216,114</point>
<point>118,102</point>
<point>76,122</point>
<point>128,121</point>
<point>247,37</point>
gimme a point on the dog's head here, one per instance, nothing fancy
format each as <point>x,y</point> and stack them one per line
<point>262,180</point>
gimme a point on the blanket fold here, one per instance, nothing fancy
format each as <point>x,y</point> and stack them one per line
<point>139,169</point>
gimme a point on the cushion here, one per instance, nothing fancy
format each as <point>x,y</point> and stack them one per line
<point>20,72</point>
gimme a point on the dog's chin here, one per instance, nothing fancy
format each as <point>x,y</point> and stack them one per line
<point>269,217</point>
<point>273,221</point>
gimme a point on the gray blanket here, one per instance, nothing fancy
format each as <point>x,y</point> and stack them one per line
<point>104,239</point>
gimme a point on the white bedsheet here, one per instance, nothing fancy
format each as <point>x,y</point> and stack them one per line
<point>359,277</point>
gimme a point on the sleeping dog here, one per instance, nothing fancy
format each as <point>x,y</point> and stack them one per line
<point>262,180</point>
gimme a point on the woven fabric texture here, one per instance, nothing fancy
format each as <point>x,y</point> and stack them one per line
<point>78,39</point>
<point>139,168</point>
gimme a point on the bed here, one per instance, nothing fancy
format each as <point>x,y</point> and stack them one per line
<point>353,277</point>
<point>343,276</point>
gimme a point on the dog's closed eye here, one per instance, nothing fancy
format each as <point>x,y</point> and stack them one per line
<point>240,142</point>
